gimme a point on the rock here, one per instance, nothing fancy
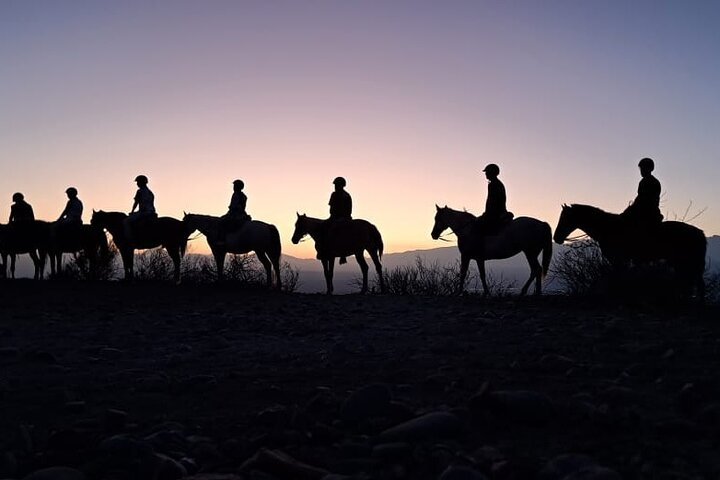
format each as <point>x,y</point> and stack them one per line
<point>594,473</point>
<point>114,421</point>
<point>563,465</point>
<point>461,473</point>
<point>8,464</point>
<point>282,465</point>
<point>214,476</point>
<point>56,473</point>
<point>391,451</point>
<point>368,401</point>
<point>77,406</point>
<point>431,425</point>
<point>520,405</point>
<point>168,469</point>
<point>169,442</point>
<point>9,353</point>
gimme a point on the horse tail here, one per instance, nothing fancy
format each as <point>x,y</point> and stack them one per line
<point>377,238</point>
<point>275,247</point>
<point>547,249</point>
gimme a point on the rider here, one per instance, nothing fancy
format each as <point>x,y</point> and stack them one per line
<point>644,211</point>
<point>144,201</point>
<point>21,211</point>
<point>236,215</point>
<point>340,210</point>
<point>72,215</point>
<point>496,213</point>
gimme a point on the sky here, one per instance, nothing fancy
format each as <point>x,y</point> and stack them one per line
<point>408,100</point>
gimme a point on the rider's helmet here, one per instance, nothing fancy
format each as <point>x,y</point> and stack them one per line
<point>647,163</point>
<point>141,179</point>
<point>72,191</point>
<point>18,197</point>
<point>239,183</point>
<point>339,181</point>
<point>492,169</point>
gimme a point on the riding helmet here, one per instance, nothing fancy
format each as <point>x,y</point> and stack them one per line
<point>239,183</point>
<point>339,181</point>
<point>492,169</point>
<point>18,197</point>
<point>647,163</point>
<point>71,191</point>
<point>141,179</point>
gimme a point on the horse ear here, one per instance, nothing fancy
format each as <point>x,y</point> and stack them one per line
<point>436,207</point>
<point>298,215</point>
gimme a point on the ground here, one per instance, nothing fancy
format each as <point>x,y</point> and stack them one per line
<point>252,383</point>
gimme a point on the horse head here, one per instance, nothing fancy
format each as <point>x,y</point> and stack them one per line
<point>443,221</point>
<point>566,224</point>
<point>301,228</point>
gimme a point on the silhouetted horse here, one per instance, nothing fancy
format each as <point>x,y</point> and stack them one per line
<point>32,238</point>
<point>259,237</point>
<point>681,245</point>
<point>523,234</point>
<point>89,239</point>
<point>166,232</point>
<point>343,238</point>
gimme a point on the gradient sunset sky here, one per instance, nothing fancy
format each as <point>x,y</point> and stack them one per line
<point>408,100</point>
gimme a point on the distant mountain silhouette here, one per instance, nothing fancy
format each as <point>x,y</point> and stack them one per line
<point>312,281</point>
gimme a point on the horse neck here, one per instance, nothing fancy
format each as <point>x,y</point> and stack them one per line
<point>114,222</point>
<point>596,223</point>
<point>206,223</point>
<point>459,222</point>
<point>313,224</point>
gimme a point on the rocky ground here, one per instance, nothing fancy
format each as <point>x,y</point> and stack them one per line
<point>152,381</point>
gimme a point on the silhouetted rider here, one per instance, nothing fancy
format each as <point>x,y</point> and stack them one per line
<point>236,215</point>
<point>645,209</point>
<point>72,215</point>
<point>340,210</point>
<point>495,214</point>
<point>144,202</point>
<point>20,212</point>
<point>340,201</point>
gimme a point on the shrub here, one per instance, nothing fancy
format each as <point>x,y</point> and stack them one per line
<point>581,269</point>
<point>437,280</point>
<point>105,267</point>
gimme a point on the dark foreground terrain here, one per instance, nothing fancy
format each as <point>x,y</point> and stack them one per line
<point>150,381</point>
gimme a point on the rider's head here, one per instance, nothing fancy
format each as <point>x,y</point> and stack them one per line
<point>491,170</point>
<point>71,192</point>
<point>339,182</point>
<point>141,180</point>
<point>238,184</point>
<point>18,197</point>
<point>646,166</point>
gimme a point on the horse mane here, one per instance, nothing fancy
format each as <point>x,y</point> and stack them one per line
<point>590,209</point>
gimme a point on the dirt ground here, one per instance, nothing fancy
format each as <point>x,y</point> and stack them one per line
<point>210,379</point>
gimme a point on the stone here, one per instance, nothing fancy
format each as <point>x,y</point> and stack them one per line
<point>594,473</point>
<point>431,425</point>
<point>368,401</point>
<point>563,465</point>
<point>461,473</point>
<point>520,405</point>
<point>56,473</point>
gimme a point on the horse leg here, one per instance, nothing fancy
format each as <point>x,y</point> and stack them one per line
<point>219,256</point>
<point>328,267</point>
<point>36,264</point>
<point>364,269</point>
<point>483,277</point>
<point>535,274</point>
<point>464,265</point>
<point>128,258</point>
<point>265,261</point>
<point>275,260</point>
<point>12,265</point>
<point>378,268</point>
<point>174,253</point>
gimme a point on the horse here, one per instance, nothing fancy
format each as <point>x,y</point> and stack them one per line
<point>166,232</point>
<point>344,238</point>
<point>681,245</point>
<point>32,238</point>
<point>256,236</point>
<point>523,234</point>
<point>89,239</point>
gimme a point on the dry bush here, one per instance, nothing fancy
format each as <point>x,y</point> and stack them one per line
<point>154,264</point>
<point>712,286</point>
<point>582,269</point>
<point>436,280</point>
<point>105,267</point>
<point>244,270</point>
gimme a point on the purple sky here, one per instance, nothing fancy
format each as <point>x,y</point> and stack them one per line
<point>407,100</point>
